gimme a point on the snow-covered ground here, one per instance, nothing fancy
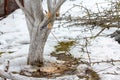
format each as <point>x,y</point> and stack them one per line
<point>15,38</point>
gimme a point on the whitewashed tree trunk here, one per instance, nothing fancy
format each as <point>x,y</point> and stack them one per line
<point>37,44</point>
<point>38,28</point>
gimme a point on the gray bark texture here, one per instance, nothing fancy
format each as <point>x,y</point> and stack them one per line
<point>38,28</point>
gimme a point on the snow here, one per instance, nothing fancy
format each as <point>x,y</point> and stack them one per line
<point>15,38</point>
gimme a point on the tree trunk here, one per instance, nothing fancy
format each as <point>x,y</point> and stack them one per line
<point>37,43</point>
<point>39,26</point>
<point>38,35</point>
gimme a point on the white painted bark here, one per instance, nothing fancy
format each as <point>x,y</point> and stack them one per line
<point>37,23</point>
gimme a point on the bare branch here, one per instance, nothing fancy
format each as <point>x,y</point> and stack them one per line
<point>36,11</point>
<point>49,5</point>
<point>99,32</point>
<point>54,6</point>
<point>25,11</point>
<point>54,3</point>
<point>58,5</point>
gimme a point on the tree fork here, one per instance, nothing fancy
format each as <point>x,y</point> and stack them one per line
<point>39,26</point>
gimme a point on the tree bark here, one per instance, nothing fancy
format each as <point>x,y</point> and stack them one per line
<point>37,43</point>
<point>39,26</point>
<point>38,34</point>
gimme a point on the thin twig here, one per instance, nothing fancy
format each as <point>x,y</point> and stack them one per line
<point>86,46</point>
<point>104,69</point>
<point>99,32</point>
<point>112,73</point>
<point>107,61</point>
<point>55,37</point>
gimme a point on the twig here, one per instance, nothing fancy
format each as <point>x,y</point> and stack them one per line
<point>114,73</point>
<point>107,61</point>
<point>55,37</point>
<point>99,32</point>
<point>86,45</point>
<point>104,69</point>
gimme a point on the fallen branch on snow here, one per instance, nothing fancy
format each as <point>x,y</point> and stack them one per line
<point>107,61</point>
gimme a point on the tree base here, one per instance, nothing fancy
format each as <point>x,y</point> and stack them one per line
<point>50,70</point>
<point>37,63</point>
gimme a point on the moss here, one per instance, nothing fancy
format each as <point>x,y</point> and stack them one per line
<point>62,56</point>
<point>64,46</point>
<point>61,49</point>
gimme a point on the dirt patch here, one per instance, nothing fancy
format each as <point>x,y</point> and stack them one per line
<point>51,71</point>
